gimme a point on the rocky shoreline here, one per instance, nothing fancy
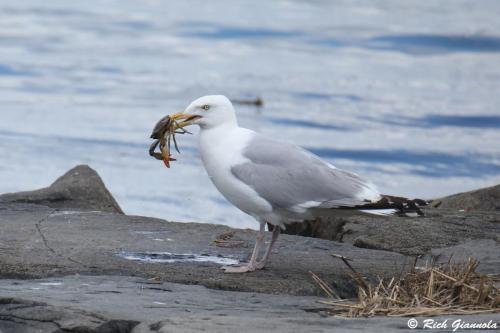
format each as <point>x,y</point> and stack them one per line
<point>71,261</point>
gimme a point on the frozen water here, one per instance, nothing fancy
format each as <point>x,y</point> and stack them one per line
<point>402,92</point>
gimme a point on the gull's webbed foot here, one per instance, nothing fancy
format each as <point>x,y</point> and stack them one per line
<point>253,264</point>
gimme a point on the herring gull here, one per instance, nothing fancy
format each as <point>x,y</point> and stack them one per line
<point>276,182</point>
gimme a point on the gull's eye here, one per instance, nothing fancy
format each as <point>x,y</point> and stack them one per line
<point>205,107</point>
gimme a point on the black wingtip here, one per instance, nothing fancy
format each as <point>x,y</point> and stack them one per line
<point>403,207</point>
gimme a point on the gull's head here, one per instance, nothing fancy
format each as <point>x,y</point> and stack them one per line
<point>207,112</point>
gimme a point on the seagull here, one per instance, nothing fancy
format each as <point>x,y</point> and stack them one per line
<point>277,182</point>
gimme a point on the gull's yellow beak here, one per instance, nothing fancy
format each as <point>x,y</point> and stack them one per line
<point>183,119</point>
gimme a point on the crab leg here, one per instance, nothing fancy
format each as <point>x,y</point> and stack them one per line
<point>152,150</point>
<point>175,143</point>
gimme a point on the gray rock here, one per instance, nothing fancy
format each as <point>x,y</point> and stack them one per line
<point>124,304</point>
<point>487,251</point>
<point>19,315</point>
<point>37,241</point>
<point>80,188</point>
<point>410,236</point>
<point>460,217</point>
<point>105,272</point>
<point>487,199</point>
<point>157,305</point>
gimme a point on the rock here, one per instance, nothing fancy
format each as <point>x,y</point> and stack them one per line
<point>80,188</point>
<point>487,251</point>
<point>487,199</point>
<point>71,261</point>
<point>159,306</point>
<point>18,315</point>
<point>410,236</point>
<point>126,304</point>
<point>456,220</point>
<point>37,241</point>
<point>331,228</point>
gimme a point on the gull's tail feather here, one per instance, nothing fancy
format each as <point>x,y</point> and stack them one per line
<point>391,205</point>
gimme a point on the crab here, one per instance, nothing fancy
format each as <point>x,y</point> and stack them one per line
<point>164,133</point>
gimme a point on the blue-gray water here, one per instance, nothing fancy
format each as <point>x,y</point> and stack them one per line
<point>405,93</point>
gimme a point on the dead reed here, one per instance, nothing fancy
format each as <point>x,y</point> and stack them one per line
<point>451,288</point>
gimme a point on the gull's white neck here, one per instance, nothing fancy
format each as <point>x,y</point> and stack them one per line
<point>222,145</point>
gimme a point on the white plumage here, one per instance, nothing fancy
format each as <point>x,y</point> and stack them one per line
<point>275,182</point>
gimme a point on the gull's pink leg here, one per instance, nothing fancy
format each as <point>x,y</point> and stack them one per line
<point>276,233</point>
<point>252,264</point>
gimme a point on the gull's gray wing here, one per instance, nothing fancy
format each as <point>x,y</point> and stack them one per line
<point>288,176</point>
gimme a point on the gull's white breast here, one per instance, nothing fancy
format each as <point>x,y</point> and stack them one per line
<point>221,148</point>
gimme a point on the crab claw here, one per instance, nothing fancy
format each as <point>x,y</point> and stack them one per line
<point>167,161</point>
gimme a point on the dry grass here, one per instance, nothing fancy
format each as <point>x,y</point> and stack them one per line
<point>225,240</point>
<point>452,288</point>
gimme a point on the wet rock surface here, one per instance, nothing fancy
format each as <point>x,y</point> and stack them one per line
<point>81,188</point>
